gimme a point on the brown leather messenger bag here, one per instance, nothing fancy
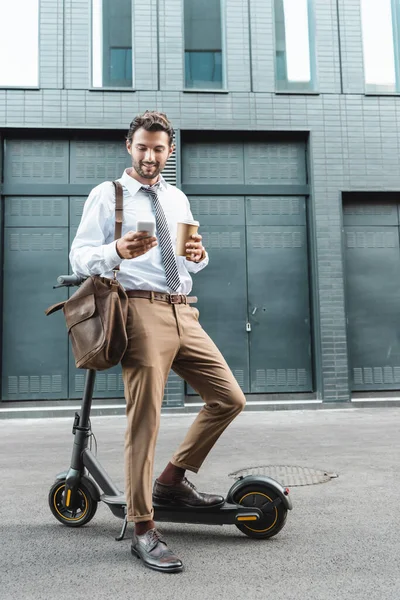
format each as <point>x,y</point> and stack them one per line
<point>96,313</point>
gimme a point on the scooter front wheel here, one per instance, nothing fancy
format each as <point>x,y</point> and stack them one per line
<point>262,496</point>
<point>83,511</point>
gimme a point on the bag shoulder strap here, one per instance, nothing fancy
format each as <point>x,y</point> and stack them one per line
<point>119,207</point>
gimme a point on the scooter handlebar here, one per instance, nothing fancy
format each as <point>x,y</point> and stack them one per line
<point>69,280</point>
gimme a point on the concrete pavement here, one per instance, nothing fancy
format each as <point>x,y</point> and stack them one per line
<point>341,541</point>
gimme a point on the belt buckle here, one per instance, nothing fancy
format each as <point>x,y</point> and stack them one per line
<point>175,298</point>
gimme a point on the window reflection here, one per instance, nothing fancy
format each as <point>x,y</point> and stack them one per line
<point>378,44</point>
<point>19,43</point>
<point>112,43</point>
<point>292,40</point>
<point>203,44</point>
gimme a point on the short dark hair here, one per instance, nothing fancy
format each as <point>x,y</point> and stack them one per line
<point>151,121</point>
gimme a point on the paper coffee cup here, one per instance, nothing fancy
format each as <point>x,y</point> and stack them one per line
<point>185,230</point>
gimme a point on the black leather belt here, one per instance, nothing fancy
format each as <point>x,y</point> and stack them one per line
<point>170,298</point>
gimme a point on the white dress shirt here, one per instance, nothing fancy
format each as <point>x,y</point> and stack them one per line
<point>93,251</point>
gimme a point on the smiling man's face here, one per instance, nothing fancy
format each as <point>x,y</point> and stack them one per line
<point>150,151</point>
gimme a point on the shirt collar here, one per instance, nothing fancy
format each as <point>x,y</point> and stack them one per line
<point>133,185</point>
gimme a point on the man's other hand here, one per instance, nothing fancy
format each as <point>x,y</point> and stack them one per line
<point>195,250</point>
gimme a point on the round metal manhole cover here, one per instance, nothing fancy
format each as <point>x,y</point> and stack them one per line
<point>286,475</point>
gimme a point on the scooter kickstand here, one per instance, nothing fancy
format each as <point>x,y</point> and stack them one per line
<point>123,530</point>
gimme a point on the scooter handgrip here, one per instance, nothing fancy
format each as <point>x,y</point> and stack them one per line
<point>69,279</point>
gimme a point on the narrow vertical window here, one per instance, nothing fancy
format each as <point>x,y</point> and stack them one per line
<point>380,68</point>
<point>112,43</point>
<point>295,57</point>
<point>203,44</point>
<point>19,43</point>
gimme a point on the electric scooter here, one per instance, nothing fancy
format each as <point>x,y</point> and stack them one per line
<point>257,505</point>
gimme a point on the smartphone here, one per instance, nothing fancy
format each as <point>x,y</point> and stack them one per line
<point>148,226</point>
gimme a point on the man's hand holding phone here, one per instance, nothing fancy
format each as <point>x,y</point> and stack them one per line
<point>134,244</point>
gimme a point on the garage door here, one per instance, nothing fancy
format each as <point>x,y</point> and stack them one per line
<point>373,294</point>
<point>37,362</point>
<point>254,295</point>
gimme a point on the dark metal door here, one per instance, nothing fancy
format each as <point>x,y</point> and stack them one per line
<point>35,347</point>
<point>371,235</point>
<point>278,295</point>
<point>254,295</point>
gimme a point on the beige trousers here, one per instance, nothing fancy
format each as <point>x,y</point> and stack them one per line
<point>164,336</point>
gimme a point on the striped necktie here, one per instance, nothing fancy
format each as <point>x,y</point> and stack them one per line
<point>167,250</point>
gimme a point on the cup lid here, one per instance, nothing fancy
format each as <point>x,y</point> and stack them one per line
<point>190,222</point>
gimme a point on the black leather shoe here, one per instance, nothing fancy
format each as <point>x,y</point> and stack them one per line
<point>155,553</point>
<point>184,493</point>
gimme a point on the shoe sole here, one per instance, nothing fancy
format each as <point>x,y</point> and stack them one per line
<point>161,569</point>
<point>162,502</point>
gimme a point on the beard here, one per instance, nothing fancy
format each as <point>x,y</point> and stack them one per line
<point>141,170</point>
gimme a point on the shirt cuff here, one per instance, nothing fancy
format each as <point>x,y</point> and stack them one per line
<point>194,267</point>
<point>111,256</point>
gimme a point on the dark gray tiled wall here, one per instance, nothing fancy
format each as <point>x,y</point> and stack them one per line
<point>77,27</point>
<point>327,46</point>
<point>262,45</point>
<point>171,45</point>
<point>237,45</point>
<point>145,47</point>
<point>354,138</point>
<point>351,46</point>
<point>51,44</point>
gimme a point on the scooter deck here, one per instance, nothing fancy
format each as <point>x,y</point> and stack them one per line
<point>220,515</point>
<point>226,514</point>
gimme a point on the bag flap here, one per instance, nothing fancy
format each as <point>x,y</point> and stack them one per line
<point>77,310</point>
<point>54,308</point>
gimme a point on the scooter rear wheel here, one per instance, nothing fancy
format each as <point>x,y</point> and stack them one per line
<point>259,495</point>
<point>81,514</point>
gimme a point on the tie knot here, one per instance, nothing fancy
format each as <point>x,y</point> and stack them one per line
<point>151,189</point>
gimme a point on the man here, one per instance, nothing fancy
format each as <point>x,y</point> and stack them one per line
<point>163,330</point>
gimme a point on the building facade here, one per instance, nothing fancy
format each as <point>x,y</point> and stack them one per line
<point>287,122</point>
